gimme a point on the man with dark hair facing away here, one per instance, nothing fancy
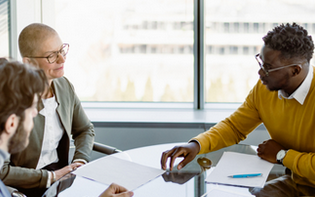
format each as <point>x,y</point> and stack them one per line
<point>21,87</point>
<point>284,101</point>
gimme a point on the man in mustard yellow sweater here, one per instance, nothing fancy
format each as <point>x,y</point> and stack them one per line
<point>284,101</point>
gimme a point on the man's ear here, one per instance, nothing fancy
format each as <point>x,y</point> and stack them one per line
<point>296,70</point>
<point>11,124</point>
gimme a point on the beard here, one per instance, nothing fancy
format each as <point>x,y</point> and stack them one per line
<point>273,85</point>
<point>19,140</point>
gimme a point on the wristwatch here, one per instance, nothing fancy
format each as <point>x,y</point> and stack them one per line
<point>280,156</point>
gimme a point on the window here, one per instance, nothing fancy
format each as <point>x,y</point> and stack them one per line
<point>233,50</point>
<point>128,50</point>
<point>230,74</point>
<point>246,27</point>
<point>4,28</point>
<point>236,27</point>
<point>145,51</point>
<point>256,27</point>
<point>226,27</point>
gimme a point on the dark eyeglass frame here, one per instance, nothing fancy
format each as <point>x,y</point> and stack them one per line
<point>63,46</point>
<point>267,71</point>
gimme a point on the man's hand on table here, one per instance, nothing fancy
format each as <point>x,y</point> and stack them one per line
<point>268,150</point>
<point>115,190</point>
<point>188,151</point>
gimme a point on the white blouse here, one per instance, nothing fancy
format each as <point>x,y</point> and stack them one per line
<point>52,134</point>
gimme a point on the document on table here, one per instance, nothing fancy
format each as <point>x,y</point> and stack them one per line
<point>224,192</point>
<point>125,173</point>
<point>232,163</point>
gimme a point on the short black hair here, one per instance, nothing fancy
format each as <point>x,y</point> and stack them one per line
<point>292,40</point>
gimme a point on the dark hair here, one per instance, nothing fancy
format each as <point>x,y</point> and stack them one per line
<point>19,83</point>
<point>291,40</point>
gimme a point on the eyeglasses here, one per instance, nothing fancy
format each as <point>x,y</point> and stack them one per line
<point>267,71</point>
<point>52,58</point>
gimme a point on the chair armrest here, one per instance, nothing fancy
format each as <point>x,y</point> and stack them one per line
<point>102,148</point>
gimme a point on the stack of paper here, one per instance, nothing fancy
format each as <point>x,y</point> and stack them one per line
<point>125,173</point>
<point>232,163</point>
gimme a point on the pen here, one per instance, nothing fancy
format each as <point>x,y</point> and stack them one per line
<point>245,175</point>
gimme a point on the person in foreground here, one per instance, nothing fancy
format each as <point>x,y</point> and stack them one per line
<point>61,117</point>
<point>284,101</point>
<point>21,87</point>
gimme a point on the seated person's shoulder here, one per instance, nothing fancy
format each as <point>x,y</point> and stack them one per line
<point>63,83</point>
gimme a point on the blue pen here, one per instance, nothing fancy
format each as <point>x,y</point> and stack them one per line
<point>245,175</point>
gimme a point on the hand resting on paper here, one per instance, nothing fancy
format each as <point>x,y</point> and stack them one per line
<point>188,151</point>
<point>115,190</point>
<point>65,170</point>
<point>268,150</point>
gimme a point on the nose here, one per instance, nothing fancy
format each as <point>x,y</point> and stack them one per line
<point>261,72</point>
<point>61,59</point>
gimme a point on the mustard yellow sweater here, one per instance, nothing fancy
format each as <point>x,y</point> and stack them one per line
<point>287,121</point>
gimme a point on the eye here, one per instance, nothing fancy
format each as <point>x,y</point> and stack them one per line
<point>267,66</point>
<point>51,55</point>
<point>62,52</point>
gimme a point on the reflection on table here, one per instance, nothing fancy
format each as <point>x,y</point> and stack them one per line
<point>187,182</point>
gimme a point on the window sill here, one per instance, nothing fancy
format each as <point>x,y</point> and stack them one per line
<point>156,114</point>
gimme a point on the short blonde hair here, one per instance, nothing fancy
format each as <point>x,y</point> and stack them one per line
<point>31,37</point>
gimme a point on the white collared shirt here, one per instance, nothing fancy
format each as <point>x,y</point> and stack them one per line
<point>52,134</point>
<point>301,92</point>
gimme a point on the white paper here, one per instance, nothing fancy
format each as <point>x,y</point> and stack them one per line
<point>232,163</point>
<point>82,187</point>
<point>125,173</point>
<point>226,193</point>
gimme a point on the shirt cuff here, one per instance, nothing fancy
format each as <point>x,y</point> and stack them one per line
<point>48,184</point>
<point>80,160</point>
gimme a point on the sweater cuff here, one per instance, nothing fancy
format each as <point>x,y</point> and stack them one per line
<point>288,160</point>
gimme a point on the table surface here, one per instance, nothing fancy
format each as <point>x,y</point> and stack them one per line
<point>187,182</point>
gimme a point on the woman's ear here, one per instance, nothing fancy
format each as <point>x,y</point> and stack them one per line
<point>27,60</point>
<point>30,61</point>
<point>11,124</point>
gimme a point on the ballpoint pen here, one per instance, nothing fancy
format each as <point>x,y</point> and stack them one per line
<point>245,175</point>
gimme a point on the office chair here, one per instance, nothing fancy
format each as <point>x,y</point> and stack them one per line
<point>102,148</point>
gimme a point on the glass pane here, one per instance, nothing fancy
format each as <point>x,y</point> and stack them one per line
<point>233,34</point>
<point>4,29</point>
<point>128,50</point>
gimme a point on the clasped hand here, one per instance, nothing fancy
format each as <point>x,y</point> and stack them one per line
<point>268,150</point>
